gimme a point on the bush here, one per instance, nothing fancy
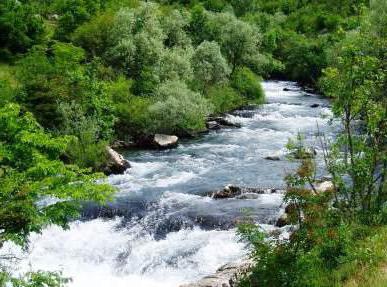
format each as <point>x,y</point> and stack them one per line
<point>20,27</point>
<point>132,111</point>
<point>248,85</point>
<point>179,110</point>
<point>224,98</point>
<point>94,36</point>
<point>86,149</point>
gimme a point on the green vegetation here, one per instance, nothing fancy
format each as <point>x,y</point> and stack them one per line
<point>341,233</point>
<point>76,75</point>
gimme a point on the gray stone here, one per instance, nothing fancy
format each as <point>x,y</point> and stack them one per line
<point>226,276</point>
<point>116,163</point>
<point>213,125</point>
<point>165,141</point>
<point>273,157</point>
<point>232,191</point>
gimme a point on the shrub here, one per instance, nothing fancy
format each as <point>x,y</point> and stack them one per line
<point>179,110</point>
<point>210,67</point>
<point>248,84</point>
<point>224,98</point>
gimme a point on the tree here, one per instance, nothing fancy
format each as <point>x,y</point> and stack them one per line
<point>174,25</point>
<point>73,13</point>
<point>174,64</point>
<point>178,109</point>
<point>239,40</point>
<point>54,74</point>
<point>20,27</point>
<point>248,84</point>
<point>210,67</point>
<point>31,174</point>
<point>137,45</point>
<point>356,80</point>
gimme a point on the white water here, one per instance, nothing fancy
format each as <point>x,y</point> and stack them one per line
<point>161,232</point>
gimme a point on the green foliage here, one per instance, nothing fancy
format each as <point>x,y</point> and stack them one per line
<point>239,40</point>
<point>21,27</point>
<point>85,149</point>
<point>248,84</point>
<point>32,171</point>
<point>209,66</point>
<point>54,74</point>
<point>304,58</point>
<point>224,98</point>
<point>35,279</point>
<point>73,13</point>
<point>94,36</point>
<point>179,110</point>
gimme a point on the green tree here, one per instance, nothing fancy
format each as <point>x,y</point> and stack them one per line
<point>21,27</point>
<point>179,110</point>
<point>210,67</point>
<point>31,173</point>
<point>248,84</point>
<point>239,40</point>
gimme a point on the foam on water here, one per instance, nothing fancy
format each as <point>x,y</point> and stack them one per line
<point>100,253</point>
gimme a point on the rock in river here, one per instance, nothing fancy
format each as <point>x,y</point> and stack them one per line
<point>273,157</point>
<point>165,141</point>
<point>232,191</point>
<point>116,163</point>
<point>226,276</point>
<point>213,125</point>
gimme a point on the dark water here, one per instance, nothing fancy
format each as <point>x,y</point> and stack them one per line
<point>161,230</point>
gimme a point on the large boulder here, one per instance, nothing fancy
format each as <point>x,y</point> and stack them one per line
<point>165,141</point>
<point>226,276</point>
<point>116,163</point>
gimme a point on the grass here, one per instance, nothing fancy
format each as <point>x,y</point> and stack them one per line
<point>370,268</point>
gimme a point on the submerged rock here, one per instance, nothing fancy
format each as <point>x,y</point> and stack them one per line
<point>165,141</point>
<point>315,105</point>
<point>226,276</point>
<point>290,90</point>
<point>228,191</point>
<point>232,191</point>
<point>120,144</point>
<point>116,163</point>
<point>273,157</point>
<point>215,123</point>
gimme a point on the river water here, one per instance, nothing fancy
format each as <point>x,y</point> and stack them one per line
<point>161,230</point>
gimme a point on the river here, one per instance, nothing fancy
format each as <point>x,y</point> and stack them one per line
<point>162,231</point>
